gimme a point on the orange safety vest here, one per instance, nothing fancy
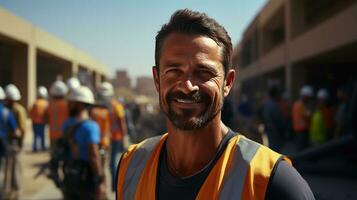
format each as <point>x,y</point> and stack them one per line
<point>117,113</point>
<point>102,117</point>
<point>58,114</point>
<point>242,172</point>
<point>38,111</point>
<point>300,117</point>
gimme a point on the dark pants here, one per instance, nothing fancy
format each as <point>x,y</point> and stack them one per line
<point>79,193</point>
<point>12,173</point>
<point>117,147</point>
<point>302,140</point>
<point>39,134</point>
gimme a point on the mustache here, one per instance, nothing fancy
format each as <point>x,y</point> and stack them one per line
<point>195,96</point>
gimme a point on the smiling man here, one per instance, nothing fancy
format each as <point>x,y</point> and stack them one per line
<point>200,157</point>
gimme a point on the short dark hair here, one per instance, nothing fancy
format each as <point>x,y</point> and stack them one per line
<point>191,22</point>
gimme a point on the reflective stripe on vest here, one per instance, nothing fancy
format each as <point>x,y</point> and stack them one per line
<point>233,184</point>
<point>136,166</point>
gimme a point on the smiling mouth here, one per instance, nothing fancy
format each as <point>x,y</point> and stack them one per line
<point>186,101</point>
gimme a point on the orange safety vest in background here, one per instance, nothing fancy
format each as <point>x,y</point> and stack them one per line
<point>242,172</point>
<point>300,117</point>
<point>58,114</point>
<point>102,117</point>
<point>117,113</point>
<point>38,111</point>
<point>328,116</point>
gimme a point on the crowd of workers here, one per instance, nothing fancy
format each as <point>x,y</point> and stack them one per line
<point>86,129</point>
<point>310,120</point>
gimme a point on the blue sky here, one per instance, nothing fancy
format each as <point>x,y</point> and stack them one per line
<point>121,33</point>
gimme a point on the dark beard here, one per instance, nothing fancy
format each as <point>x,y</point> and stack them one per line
<point>183,120</point>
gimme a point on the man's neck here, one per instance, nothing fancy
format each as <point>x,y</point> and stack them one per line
<point>190,151</point>
<point>83,115</point>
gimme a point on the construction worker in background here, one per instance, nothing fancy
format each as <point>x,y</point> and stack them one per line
<point>57,111</point>
<point>301,116</point>
<point>322,119</point>
<point>13,172</point>
<point>200,157</point>
<point>273,119</point>
<point>118,128</point>
<point>38,115</point>
<point>8,128</point>
<point>83,171</point>
<point>73,83</point>
<point>100,114</point>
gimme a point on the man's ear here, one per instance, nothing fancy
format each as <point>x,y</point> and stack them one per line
<point>228,83</point>
<point>155,74</point>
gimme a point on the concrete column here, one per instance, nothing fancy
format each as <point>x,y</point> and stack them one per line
<point>97,79</point>
<point>31,75</point>
<point>288,38</point>
<point>24,72</point>
<point>74,69</point>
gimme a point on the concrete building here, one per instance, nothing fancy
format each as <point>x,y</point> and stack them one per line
<point>30,57</point>
<point>122,80</point>
<point>145,86</point>
<point>297,42</point>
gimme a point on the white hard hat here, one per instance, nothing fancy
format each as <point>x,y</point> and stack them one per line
<point>58,88</point>
<point>12,92</point>
<point>2,94</point>
<point>81,94</point>
<point>322,94</point>
<point>106,89</point>
<point>42,92</point>
<point>307,91</point>
<point>73,83</point>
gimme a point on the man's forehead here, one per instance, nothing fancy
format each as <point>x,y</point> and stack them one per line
<point>178,41</point>
<point>182,39</point>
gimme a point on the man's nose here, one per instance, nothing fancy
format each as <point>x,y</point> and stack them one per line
<point>188,86</point>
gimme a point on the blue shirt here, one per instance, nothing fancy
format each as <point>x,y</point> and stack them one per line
<point>87,133</point>
<point>7,121</point>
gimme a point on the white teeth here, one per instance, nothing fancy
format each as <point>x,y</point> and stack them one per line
<point>184,101</point>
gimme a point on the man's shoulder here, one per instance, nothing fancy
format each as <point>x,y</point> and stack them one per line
<point>90,125</point>
<point>287,183</point>
<point>261,158</point>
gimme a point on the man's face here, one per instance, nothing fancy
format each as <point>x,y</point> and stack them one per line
<point>191,81</point>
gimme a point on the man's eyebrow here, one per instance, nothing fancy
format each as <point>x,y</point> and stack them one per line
<point>171,63</point>
<point>207,66</point>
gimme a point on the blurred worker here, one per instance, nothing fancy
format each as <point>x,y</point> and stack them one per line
<point>322,119</point>
<point>301,116</point>
<point>73,83</point>
<point>13,169</point>
<point>83,171</point>
<point>118,126</point>
<point>344,116</point>
<point>38,115</point>
<point>199,157</point>
<point>8,128</point>
<point>273,120</point>
<point>57,111</point>
<point>100,114</point>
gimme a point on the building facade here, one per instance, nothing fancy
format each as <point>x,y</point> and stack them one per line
<point>30,57</point>
<point>296,42</point>
<point>122,80</point>
<point>145,86</point>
